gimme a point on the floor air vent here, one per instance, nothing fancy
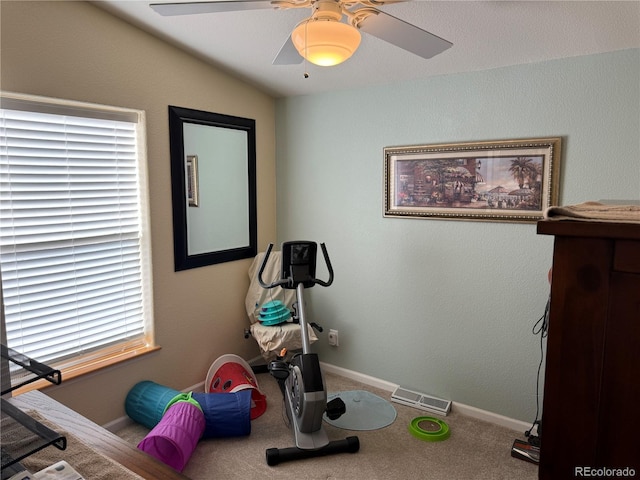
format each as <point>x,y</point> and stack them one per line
<point>421,401</point>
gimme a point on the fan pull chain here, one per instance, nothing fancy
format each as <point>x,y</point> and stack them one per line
<point>306,74</point>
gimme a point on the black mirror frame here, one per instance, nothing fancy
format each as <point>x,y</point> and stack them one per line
<point>178,116</point>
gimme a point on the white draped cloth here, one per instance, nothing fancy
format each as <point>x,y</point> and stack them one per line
<point>272,339</point>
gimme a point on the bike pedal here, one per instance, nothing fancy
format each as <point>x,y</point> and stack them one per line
<point>279,369</point>
<point>335,408</point>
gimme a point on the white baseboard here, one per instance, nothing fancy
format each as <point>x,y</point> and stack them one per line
<point>118,424</point>
<point>467,410</point>
<point>491,417</point>
<point>359,377</point>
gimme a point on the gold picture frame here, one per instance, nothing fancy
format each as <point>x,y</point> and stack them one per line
<point>503,180</point>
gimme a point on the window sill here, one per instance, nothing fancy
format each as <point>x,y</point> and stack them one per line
<point>91,366</point>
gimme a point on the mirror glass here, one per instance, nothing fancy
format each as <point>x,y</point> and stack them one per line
<point>213,178</point>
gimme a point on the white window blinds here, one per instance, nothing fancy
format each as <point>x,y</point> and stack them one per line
<point>74,248</point>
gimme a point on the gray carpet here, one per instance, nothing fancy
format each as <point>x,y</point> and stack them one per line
<point>475,449</point>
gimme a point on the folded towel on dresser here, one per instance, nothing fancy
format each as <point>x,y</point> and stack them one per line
<point>595,212</point>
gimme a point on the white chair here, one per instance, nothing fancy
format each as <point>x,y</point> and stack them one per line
<point>272,339</point>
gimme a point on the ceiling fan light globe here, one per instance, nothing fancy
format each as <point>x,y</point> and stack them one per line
<point>327,56</point>
<point>325,42</point>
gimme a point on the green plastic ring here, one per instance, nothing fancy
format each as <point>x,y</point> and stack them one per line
<point>442,433</point>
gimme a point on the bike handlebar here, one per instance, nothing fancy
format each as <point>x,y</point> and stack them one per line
<point>327,262</point>
<point>262,265</point>
<point>289,281</point>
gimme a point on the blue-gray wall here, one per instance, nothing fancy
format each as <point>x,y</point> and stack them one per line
<point>447,307</point>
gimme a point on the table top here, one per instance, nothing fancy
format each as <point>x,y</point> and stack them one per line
<point>97,437</point>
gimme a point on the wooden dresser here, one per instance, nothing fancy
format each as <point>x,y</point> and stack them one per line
<point>591,406</point>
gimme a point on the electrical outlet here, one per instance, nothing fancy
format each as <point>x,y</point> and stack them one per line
<point>333,337</point>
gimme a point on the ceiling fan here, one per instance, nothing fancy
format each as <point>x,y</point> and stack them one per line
<point>332,33</point>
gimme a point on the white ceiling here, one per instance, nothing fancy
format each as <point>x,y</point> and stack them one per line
<point>485,35</point>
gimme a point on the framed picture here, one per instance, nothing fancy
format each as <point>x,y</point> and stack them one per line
<point>505,180</point>
<point>192,180</point>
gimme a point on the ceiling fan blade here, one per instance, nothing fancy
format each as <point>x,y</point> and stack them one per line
<point>189,8</point>
<point>288,55</point>
<point>404,35</point>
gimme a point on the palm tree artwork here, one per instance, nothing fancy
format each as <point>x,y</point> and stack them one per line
<point>521,169</point>
<point>478,182</point>
<point>527,175</point>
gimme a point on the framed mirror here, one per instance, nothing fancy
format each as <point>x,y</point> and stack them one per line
<point>213,187</point>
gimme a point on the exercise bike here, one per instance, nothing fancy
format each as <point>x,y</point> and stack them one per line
<point>300,378</point>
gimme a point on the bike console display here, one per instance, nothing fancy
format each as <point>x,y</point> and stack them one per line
<point>298,265</point>
<point>299,262</point>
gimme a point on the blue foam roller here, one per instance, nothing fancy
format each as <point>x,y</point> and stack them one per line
<point>226,414</point>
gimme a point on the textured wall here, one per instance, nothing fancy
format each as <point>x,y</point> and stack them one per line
<point>76,51</point>
<point>447,307</point>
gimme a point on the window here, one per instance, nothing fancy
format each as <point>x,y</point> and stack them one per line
<point>74,239</point>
